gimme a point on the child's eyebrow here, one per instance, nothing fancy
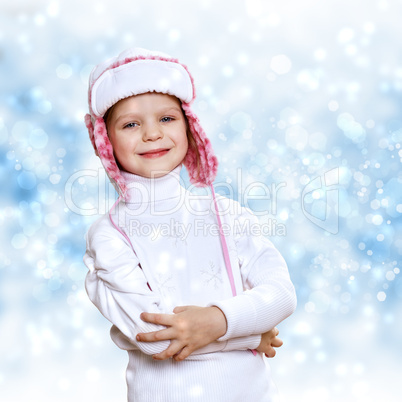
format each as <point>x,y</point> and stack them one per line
<point>125,116</point>
<point>174,108</point>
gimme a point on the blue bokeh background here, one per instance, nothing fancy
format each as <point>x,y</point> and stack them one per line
<point>288,91</point>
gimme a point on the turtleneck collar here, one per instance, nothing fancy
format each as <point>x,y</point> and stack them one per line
<point>147,190</point>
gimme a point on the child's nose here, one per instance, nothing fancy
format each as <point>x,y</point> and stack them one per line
<point>152,132</point>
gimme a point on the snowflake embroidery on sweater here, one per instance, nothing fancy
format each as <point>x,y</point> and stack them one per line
<point>212,275</point>
<point>163,283</point>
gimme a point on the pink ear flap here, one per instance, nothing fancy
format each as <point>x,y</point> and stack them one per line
<point>104,150</point>
<point>90,127</point>
<point>208,161</point>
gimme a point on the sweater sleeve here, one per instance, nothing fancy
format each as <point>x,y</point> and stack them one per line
<point>270,296</point>
<point>117,286</point>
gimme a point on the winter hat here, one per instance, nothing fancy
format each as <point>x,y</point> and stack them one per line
<point>137,71</point>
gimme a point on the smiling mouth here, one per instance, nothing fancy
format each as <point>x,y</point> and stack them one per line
<point>156,153</point>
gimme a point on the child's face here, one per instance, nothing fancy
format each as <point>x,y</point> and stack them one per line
<point>148,134</point>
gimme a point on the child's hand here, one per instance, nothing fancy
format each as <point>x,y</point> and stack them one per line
<point>269,341</point>
<point>189,329</point>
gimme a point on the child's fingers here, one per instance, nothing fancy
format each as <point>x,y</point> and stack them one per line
<point>271,352</point>
<point>162,335</point>
<point>173,349</point>
<point>161,319</point>
<point>185,352</point>
<point>277,342</point>
<point>180,309</point>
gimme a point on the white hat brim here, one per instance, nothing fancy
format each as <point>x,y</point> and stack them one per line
<point>138,77</point>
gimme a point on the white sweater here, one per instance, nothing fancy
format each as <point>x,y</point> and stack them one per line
<point>178,255</point>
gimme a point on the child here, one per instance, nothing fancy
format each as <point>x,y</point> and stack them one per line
<point>189,291</point>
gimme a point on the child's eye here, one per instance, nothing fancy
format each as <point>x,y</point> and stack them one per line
<point>130,125</point>
<point>166,119</point>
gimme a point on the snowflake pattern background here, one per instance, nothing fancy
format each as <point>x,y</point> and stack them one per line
<point>287,92</point>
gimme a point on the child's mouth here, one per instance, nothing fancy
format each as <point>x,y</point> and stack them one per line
<point>156,153</point>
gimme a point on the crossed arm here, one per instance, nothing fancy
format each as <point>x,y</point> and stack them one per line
<point>192,327</point>
<point>121,294</point>
<point>118,288</point>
